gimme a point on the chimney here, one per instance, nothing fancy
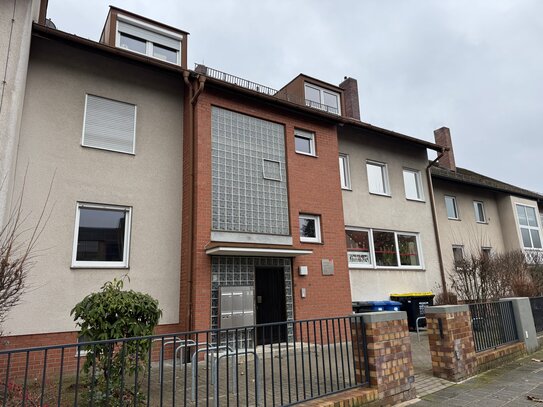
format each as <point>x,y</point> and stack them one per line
<point>350,96</point>
<point>443,138</point>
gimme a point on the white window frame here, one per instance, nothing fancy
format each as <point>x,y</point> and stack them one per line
<point>149,52</point>
<point>318,236</point>
<point>308,135</point>
<point>133,152</point>
<point>418,181</point>
<point>476,209</point>
<point>535,208</point>
<point>322,106</point>
<point>370,244</point>
<point>344,171</point>
<point>455,207</point>
<point>103,264</point>
<point>372,250</point>
<point>384,172</point>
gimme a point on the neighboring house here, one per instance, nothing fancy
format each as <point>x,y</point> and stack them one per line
<point>480,214</point>
<point>389,229</point>
<point>105,126</point>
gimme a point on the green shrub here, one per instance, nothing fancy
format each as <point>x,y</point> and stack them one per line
<point>114,313</point>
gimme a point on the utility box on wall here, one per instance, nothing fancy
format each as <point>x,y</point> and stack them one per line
<point>236,306</point>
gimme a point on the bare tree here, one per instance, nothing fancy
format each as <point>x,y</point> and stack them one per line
<point>18,250</point>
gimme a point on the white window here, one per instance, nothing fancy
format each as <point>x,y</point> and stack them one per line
<point>101,238</point>
<point>377,178</point>
<point>369,248</point>
<point>529,228</point>
<point>109,125</point>
<point>452,209</point>
<point>344,171</point>
<point>321,98</point>
<point>479,208</point>
<point>413,185</point>
<point>304,142</point>
<point>310,228</point>
<point>486,252</point>
<point>149,40</point>
<point>358,248</point>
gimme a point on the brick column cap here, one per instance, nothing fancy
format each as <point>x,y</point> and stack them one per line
<point>447,309</point>
<point>514,298</point>
<point>382,316</point>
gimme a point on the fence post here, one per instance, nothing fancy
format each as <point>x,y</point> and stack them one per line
<point>389,360</point>
<point>524,321</point>
<point>451,341</point>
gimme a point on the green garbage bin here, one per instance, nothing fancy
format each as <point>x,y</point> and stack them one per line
<point>414,304</point>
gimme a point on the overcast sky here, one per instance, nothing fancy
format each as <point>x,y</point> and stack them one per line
<point>474,66</point>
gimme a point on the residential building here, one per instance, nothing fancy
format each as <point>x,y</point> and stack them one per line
<point>201,186</point>
<point>103,127</point>
<point>476,213</point>
<point>389,228</point>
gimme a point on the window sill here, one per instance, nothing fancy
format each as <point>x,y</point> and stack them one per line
<point>109,149</point>
<point>306,154</point>
<point>415,200</point>
<point>380,194</point>
<point>456,219</point>
<point>481,223</point>
<point>346,189</point>
<point>380,268</point>
<point>100,267</point>
<point>311,242</point>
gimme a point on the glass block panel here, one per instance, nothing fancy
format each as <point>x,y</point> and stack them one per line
<point>246,154</point>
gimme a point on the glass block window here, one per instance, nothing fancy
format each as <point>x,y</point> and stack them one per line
<point>248,160</point>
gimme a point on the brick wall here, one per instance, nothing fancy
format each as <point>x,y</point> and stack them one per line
<point>451,342</point>
<point>313,187</point>
<point>390,362</point>
<point>452,346</point>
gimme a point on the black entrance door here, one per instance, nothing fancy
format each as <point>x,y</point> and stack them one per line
<point>270,303</point>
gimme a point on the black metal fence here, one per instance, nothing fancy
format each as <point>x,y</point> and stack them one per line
<point>243,366</point>
<point>493,324</point>
<point>536,304</point>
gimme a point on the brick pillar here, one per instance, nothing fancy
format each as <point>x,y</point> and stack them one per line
<point>451,342</point>
<point>390,364</point>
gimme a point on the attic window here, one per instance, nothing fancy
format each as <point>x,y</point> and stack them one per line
<point>148,40</point>
<point>323,99</point>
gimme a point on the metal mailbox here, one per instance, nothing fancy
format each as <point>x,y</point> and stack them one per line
<point>237,306</point>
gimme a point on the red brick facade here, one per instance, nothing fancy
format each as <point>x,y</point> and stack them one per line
<point>313,188</point>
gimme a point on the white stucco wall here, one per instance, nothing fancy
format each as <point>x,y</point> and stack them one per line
<point>395,213</point>
<point>466,231</point>
<point>150,181</point>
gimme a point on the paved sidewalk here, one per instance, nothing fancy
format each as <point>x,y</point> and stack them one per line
<point>425,381</point>
<point>508,385</point>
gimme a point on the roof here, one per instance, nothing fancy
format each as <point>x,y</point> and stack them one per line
<point>51,33</point>
<point>148,20</point>
<point>464,176</point>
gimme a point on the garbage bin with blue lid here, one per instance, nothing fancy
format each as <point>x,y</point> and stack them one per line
<point>393,306</point>
<point>369,306</point>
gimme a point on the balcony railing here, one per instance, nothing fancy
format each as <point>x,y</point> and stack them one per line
<point>271,364</point>
<point>265,90</point>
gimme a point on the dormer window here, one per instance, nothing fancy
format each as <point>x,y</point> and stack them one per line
<point>321,98</point>
<point>149,40</point>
